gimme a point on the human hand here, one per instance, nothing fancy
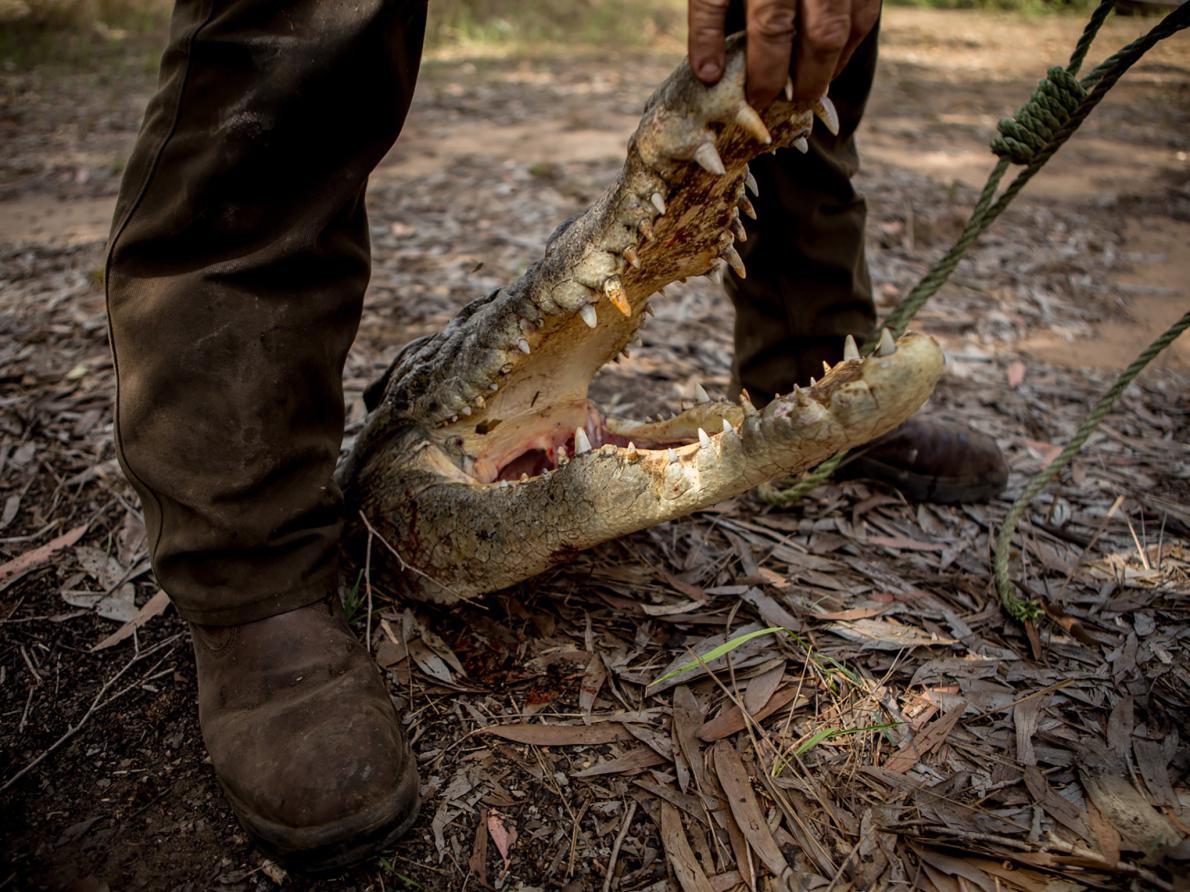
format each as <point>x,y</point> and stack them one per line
<point>810,40</point>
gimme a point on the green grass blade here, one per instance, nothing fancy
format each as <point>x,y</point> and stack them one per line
<point>716,652</point>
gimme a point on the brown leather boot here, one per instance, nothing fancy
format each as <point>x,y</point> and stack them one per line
<point>304,738</point>
<point>932,461</point>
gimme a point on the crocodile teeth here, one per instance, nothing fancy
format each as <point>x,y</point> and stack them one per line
<point>613,288</point>
<point>747,118</point>
<point>750,182</point>
<point>658,202</point>
<point>812,381</point>
<point>631,448</point>
<point>741,234</point>
<point>802,144</point>
<point>826,367</point>
<point>708,159</point>
<point>746,404</point>
<point>887,346</point>
<point>581,443</point>
<point>746,206</point>
<point>466,410</point>
<point>703,439</point>
<point>824,110</point>
<point>737,263</point>
<point>493,387</point>
<point>701,394</point>
<point>789,89</point>
<point>479,402</point>
<point>646,230</point>
<point>671,456</point>
<point>850,350</point>
<point>523,346</point>
<point>561,456</point>
<point>727,428</point>
<point>589,315</point>
<point>632,257</point>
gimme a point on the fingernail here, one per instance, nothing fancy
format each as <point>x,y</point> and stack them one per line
<point>708,69</point>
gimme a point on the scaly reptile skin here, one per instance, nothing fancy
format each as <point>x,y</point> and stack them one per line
<point>484,462</point>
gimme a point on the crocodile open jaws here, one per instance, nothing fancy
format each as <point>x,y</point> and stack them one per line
<point>483,462</point>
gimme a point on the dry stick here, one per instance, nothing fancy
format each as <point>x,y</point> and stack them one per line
<point>1065,848</point>
<point>611,864</point>
<point>96,704</point>
<point>368,586</point>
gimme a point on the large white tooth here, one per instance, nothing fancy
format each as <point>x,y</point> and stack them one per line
<point>671,456</point>
<point>701,394</point>
<point>746,404</point>
<point>826,368</point>
<point>727,428</point>
<point>887,346</point>
<point>523,345</point>
<point>750,182</point>
<point>581,443</point>
<point>747,117</point>
<point>802,144</point>
<point>812,381</point>
<point>613,289</point>
<point>746,206</point>
<point>632,257</point>
<point>789,89</point>
<point>825,110</point>
<point>737,263</point>
<point>708,159</point>
<point>631,448</point>
<point>703,439</point>
<point>658,202</point>
<point>589,315</point>
<point>850,350</point>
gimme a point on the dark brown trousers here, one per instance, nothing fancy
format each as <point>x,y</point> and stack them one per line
<point>238,262</point>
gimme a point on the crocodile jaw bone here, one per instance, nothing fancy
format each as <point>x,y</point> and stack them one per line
<point>502,390</point>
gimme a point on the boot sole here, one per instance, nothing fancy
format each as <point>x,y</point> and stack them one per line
<point>332,849</point>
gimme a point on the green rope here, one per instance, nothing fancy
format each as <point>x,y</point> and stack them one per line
<point>1088,36</point>
<point>1030,609</point>
<point>1030,138</point>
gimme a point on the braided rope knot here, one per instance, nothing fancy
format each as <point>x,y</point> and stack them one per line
<point>1038,122</point>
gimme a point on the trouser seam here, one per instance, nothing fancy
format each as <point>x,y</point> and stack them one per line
<point>118,230</point>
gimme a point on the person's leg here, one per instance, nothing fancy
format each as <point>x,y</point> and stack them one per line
<point>808,287</point>
<point>807,284</point>
<point>236,271</point>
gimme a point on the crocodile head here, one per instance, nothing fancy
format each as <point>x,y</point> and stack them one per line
<point>483,462</point>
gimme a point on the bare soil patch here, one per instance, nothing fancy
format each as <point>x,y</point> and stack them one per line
<point>911,736</point>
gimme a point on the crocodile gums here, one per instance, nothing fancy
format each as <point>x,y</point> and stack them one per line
<point>483,462</point>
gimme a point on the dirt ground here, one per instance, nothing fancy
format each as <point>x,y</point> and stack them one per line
<point>908,736</point>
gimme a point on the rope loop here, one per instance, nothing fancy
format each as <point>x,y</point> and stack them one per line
<point>1040,120</point>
